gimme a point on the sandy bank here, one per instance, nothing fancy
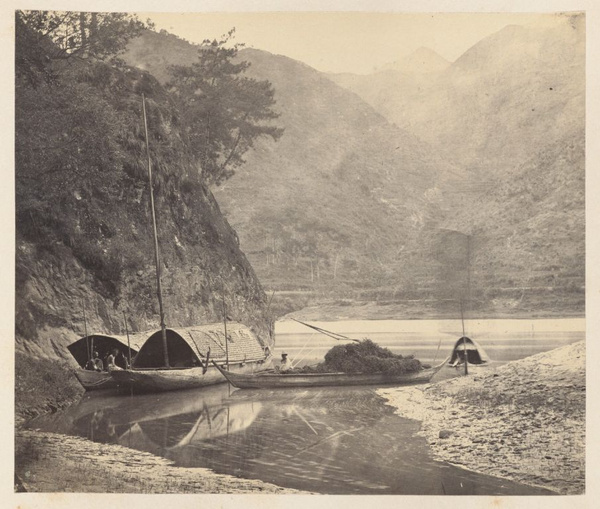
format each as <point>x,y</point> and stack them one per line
<point>47,462</point>
<point>524,421</point>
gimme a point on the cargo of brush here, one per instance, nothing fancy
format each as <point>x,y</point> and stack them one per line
<point>364,356</point>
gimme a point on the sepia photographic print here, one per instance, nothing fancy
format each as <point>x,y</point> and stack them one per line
<point>300,251</point>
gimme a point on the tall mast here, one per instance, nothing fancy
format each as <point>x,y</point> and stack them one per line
<point>87,340</point>
<point>468,294</point>
<point>156,257</point>
<point>128,343</point>
<point>225,327</point>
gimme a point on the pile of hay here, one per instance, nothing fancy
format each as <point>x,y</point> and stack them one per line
<point>364,357</point>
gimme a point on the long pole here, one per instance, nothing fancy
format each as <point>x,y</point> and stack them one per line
<point>87,341</point>
<point>128,344</point>
<point>226,342</point>
<point>462,319</point>
<point>468,292</point>
<point>156,257</point>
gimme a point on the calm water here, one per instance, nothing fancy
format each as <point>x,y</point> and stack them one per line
<point>328,440</point>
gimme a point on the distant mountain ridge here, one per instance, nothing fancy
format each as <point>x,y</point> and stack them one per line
<point>421,61</point>
<point>528,231</point>
<point>507,96</point>
<point>510,111</point>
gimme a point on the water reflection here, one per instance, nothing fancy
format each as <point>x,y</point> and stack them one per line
<point>156,423</point>
<point>329,440</point>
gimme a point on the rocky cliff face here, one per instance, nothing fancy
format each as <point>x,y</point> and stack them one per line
<point>84,236</point>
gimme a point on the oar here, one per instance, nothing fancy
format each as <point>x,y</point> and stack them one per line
<point>301,350</point>
<point>295,363</point>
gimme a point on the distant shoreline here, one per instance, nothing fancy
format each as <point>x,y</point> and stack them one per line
<point>373,310</point>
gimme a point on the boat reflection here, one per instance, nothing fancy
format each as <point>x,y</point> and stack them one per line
<point>169,436</point>
<point>157,423</point>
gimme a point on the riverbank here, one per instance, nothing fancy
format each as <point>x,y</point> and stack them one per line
<point>349,309</point>
<point>48,462</point>
<point>524,421</point>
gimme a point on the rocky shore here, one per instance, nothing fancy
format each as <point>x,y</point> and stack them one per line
<point>48,462</point>
<point>524,421</point>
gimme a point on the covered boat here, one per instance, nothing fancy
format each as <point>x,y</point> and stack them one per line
<point>82,351</point>
<point>476,355</point>
<point>291,379</point>
<point>188,352</point>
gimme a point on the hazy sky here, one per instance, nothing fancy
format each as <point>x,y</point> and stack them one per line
<point>344,41</point>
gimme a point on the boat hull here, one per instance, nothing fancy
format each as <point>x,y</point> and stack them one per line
<point>274,381</point>
<point>161,380</point>
<point>95,380</point>
<point>469,365</point>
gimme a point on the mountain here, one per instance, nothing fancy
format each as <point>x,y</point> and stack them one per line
<point>509,95</point>
<point>388,87</point>
<point>340,197</point>
<point>421,61</point>
<point>528,235</point>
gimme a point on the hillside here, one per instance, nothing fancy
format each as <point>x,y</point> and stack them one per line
<point>511,112</point>
<point>84,237</point>
<point>339,199</point>
<point>528,232</point>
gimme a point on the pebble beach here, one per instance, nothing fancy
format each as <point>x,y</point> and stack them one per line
<point>524,421</point>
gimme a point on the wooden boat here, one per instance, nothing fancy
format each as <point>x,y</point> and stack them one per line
<point>475,354</point>
<point>290,380</point>
<point>82,349</point>
<point>188,350</point>
<point>95,380</point>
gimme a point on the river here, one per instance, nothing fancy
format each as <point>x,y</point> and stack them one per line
<point>326,440</point>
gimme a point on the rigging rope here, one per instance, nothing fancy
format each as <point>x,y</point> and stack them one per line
<point>302,349</point>
<point>334,335</point>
